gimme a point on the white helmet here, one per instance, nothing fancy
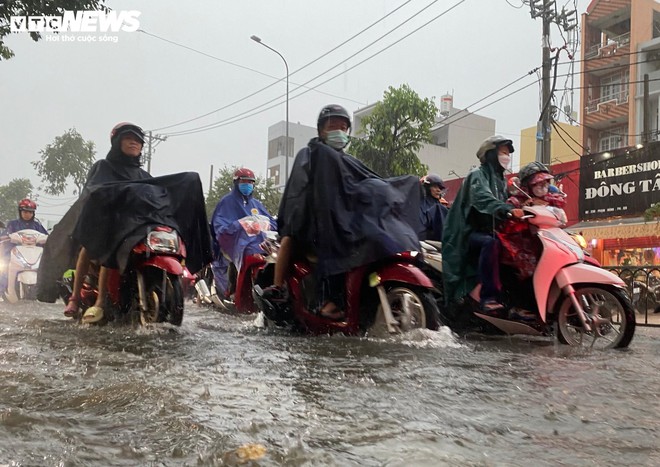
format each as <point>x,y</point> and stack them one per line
<point>493,142</point>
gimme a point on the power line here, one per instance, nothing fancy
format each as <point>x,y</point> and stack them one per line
<point>233,64</point>
<point>278,79</point>
<point>242,115</point>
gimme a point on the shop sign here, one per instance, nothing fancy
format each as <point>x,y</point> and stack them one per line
<point>625,184</point>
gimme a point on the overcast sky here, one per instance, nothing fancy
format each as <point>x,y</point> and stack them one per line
<point>51,86</point>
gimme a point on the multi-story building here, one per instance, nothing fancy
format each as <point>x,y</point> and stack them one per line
<point>620,44</point>
<point>619,120</point>
<point>299,136</point>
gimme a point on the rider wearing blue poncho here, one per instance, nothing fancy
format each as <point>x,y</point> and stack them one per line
<point>235,242</point>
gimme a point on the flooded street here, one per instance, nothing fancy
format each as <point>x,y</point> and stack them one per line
<point>201,394</point>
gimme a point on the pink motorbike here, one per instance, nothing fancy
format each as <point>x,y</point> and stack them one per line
<point>566,294</point>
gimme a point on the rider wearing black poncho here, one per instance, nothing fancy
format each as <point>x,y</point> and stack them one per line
<point>119,202</point>
<point>346,214</point>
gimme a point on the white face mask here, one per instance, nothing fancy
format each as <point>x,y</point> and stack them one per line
<point>504,160</point>
<point>540,190</point>
<point>337,139</point>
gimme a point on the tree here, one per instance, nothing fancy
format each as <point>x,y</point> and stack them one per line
<point>68,157</point>
<point>38,8</point>
<point>265,191</point>
<point>10,195</point>
<point>652,213</point>
<point>394,133</point>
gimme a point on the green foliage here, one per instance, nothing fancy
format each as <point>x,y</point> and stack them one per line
<point>264,190</point>
<point>68,157</point>
<point>10,195</point>
<point>652,213</point>
<point>38,8</point>
<point>394,133</point>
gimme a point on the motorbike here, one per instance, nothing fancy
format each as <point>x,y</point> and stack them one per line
<point>568,295</point>
<point>387,297</point>
<point>252,271</point>
<point>646,296</point>
<point>23,264</point>
<point>150,290</point>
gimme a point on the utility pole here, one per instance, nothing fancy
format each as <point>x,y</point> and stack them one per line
<point>544,119</point>
<point>211,180</point>
<point>646,134</point>
<point>547,11</point>
<point>150,147</point>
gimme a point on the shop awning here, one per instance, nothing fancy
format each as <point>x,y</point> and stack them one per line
<point>617,228</point>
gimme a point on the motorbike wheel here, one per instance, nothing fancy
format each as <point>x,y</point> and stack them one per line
<point>412,308</point>
<point>609,309</point>
<point>164,298</point>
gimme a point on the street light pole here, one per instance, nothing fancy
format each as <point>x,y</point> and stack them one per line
<point>286,143</point>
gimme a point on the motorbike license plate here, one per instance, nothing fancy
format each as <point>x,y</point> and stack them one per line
<point>636,290</point>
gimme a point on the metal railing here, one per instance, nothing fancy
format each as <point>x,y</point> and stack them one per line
<point>643,284</point>
<point>620,97</point>
<point>594,50</point>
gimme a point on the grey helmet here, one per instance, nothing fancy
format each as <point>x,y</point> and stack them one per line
<point>433,179</point>
<point>493,142</point>
<point>532,169</point>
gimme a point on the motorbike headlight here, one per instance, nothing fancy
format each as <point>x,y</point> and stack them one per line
<point>163,242</point>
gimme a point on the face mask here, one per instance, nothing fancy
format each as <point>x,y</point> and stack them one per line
<point>246,188</point>
<point>540,190</point>
<point>504,160</point>
<point>337,139</point>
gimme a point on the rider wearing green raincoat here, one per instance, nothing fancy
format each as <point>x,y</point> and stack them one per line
<point>470,250</point>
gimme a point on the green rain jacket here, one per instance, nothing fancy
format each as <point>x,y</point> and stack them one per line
<point>479,204</point>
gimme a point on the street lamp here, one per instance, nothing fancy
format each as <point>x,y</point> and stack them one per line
<point>286,145</point>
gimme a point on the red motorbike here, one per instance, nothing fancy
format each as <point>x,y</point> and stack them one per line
<point>390,296</point>
<point>150,290</point>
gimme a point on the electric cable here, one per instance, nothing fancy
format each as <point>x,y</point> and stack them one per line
<point>278,79</point>
<point>247,114</point>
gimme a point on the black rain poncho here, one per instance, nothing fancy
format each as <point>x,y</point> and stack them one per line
<point>116,216</point>
<point>348,215</point>
<point>61,250</point>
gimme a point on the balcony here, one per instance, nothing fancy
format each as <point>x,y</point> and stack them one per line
<point>609,47</point>
<point>604,103</point>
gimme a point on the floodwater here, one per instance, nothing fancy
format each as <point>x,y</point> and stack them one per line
<point>224,390</point>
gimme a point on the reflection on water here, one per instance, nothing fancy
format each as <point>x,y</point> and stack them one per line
<point>222,390</point>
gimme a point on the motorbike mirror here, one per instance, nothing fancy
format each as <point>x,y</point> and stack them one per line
<point>515,183</point>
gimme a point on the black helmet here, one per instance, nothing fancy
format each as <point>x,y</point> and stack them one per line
<point>493,142</point>
<point>433,179</point>
<point>123,128</point>
<point>332,110</point>
<point>531,169</point>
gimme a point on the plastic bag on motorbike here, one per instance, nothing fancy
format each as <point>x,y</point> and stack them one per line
<point>254,224</point>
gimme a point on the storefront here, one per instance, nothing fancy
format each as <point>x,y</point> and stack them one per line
<point>616,188</point>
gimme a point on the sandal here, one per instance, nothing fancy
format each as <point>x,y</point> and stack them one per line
<point>333,313</point>
<point>72,307</point>
<point>93,314</point>
<point>492,308</point>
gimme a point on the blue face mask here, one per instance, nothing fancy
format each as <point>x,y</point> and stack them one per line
<point>246,189</point>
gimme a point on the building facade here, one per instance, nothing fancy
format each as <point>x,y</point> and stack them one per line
<point>619,172</point>
<point>299,136</point>
<point>564,144</point>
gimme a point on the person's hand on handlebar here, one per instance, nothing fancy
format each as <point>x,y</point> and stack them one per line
<point>516,213</point>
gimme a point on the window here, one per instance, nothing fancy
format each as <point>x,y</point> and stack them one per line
<point>614,87</point>
<point>612,139</point>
